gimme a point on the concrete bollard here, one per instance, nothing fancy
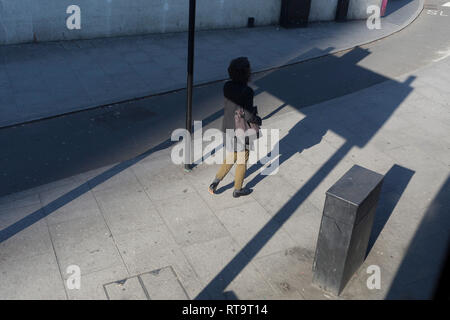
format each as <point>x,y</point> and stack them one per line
<point>345,229</point>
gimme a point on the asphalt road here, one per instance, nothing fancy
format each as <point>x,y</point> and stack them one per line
<point>45,151</point>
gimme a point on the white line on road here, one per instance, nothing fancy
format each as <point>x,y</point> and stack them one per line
<point>444,54</point>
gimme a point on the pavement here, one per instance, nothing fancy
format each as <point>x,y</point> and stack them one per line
<point>144,228</point>
<point>41,80</point>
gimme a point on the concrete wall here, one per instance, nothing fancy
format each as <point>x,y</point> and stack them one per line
<point>45,20</point>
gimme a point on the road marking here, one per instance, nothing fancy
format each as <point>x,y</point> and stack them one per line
<point>446,4</point>
<point>437,12</point>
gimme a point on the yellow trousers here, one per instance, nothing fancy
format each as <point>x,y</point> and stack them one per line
<point>241,159</point>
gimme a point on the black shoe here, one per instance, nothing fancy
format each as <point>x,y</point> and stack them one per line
<point>213,186</point>
<point>241,192</point>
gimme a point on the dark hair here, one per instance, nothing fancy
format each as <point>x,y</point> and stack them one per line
<point>239,70</point>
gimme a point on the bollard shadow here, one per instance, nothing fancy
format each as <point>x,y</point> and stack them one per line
<point>417,276</point>
<point>294,89</point>
<point>394,184</point>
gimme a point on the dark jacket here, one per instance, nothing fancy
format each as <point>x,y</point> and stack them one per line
<point>237,95</point>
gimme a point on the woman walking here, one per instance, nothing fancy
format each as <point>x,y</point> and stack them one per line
<point>238,103</point>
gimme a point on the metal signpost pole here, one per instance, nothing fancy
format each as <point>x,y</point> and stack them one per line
<point>190,77</point>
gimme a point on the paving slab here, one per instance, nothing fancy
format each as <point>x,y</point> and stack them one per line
<point>24,240</point>
<point>92,284</point>
<point>236,219</point>
<point>291,270</point>
<point>163,284</point>
<point>208,259</point>
<point>154,248</point>
<point>127,212</point>
<point>60,206</point>
<point>152,176</point>
<point>85,242</point>
<point>30,277</point>
<point>190,219</point>
<point>126,289</point>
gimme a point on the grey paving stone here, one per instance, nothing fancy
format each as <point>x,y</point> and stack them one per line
<point>303,225</point>
<point>296,170</point>
<point>291,270</point>
<point>412,157</point>
<point>85,242</point>
<point>163,284</point>
<point>236,221</point>
<point>264,193</point>
<point>24,239</point>
<point>68,202</point>
<point>31,277</point>
<point>432,93</point>
<point>319,153</point>
<point>357,289</point>
<point>371,158</point>
<point>92,284</point>
<point>127,289</point>
<point>117,177</point>
<point>127,211</point>
<point>189,219</point>
<point>209,258</point>
<point>153,173</point>
<point>143,249</point>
